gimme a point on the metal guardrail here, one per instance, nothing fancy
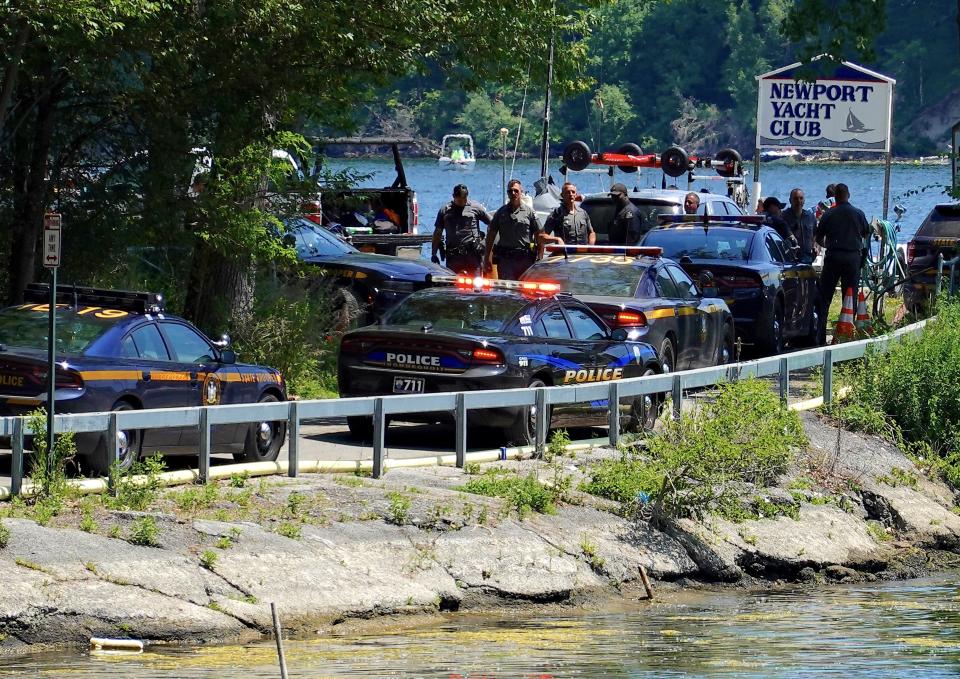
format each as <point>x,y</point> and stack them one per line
<point>457,403</point>
<point>941,265</point>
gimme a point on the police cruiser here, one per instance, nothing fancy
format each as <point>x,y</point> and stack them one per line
<point>475,333</point>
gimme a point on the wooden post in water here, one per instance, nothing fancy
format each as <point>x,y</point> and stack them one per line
<point>278,634</point>
<point>646,582</point>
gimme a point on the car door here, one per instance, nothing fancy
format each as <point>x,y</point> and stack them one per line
<point>561,353</point>
<point>199,378</point>
<point>686,322</point>
<point>699,347</point>
<point>789,280</point>
<point>145,344</point>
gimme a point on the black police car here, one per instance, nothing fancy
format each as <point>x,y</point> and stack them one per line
<point>367,284</point>
<point>481,334</point>
<point>118,350</point>
<point>635,288</point>
<point>773,296</point>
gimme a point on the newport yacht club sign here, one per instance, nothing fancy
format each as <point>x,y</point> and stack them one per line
<point>848,109</point>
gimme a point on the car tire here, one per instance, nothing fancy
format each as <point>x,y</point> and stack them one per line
<point>773,343</point>
<point>668,355</point>
<point>645,410</point>
<point>264,439</point>
<point>361,427</point>
<point>348,312</point>
<point>726,352</point>
<point>100,459</point>
<point>523,431</point>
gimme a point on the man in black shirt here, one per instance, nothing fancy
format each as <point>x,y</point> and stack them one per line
<point>842,231</point>
<point>568,224</point>
<point>802,224</point>
<point>517,226</point>
<point>625,228</point>
<point>773,217</point>
<point>458,224</point>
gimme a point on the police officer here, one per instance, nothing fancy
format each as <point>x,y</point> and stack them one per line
<point>773,217</point>
<point>569,223</point>
<point>517,226</point>
<point>841,230</point>
<point>802,224</point>
<point>626,226</point>
<point>458,224</point>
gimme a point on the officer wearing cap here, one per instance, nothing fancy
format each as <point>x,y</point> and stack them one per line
<point>626,226</point>
<point>458,224</point>
<point>569,223</point>
<point>517,226</point>
<point>773,211</point>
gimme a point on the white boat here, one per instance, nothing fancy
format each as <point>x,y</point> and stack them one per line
<point>770,155</point>
<point>456,151</point>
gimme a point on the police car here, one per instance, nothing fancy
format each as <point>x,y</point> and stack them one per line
<point>655,299</point>
<point>118,350</point>
<point>474,333</point>
<point>773,296</point>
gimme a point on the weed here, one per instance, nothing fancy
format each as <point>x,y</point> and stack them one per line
<point>239,480</point>
<point>4,535</point>
<point>138,486</point>
<point>46,507</point>
<point>399,509</point>
<point>114,531</point>
<point>589,551</point>
<point>223,542</point>
<point>196,497</point>
<point>765,509</point>
<point>214,606</point>
<point>208,559</point>
<point>125,629</point>
<point>295,503</point>
<point>145,532</point>
<point>471,468</point>
<point>349,481</point>
<point>524,493</point>
<point>749,538</point>
<point>234,533</point>
<point>92,567</point>
<point>289,530</point>
<point>32,565</point>
<point>878,531</point>
<point>482,515</point>
<point>557,446</point>
<point>49,471</point>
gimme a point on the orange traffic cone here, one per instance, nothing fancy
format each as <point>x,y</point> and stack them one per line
<point>864,322</point>
<point>844,329</point>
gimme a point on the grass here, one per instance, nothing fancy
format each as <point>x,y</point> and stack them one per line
<point>524,493</point>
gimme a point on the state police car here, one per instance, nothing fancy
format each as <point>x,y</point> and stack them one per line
<point>481,334</point>
<point>118,350</point>
<point>635,288</point>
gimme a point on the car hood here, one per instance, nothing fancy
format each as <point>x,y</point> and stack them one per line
<point>385,265</point>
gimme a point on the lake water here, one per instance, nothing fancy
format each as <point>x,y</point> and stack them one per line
<point>892,629</point>
<point>916,187</point>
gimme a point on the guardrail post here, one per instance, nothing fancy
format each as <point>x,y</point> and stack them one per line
<point>542,423</point>
<point>784,380</point>
<point>677,396</point>
<point>613,405</point>
<point>827,376</point>
<point>460,413</point>
<point>379,427</point>
<point>16,465</point>
<point>293,439</point>
<point>204,426</point>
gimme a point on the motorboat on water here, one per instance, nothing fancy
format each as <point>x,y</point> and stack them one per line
<point>788,154</point>
<point>456,151</point>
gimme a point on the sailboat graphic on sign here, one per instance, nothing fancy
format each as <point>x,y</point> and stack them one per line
<point>854,124</point>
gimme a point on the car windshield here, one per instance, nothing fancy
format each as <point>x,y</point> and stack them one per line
<point>699,243</point>
<point>447,309</point>
<point>311,240</point>
<point>25,327</point>
<point>606,275</point>
<point>942,222</point>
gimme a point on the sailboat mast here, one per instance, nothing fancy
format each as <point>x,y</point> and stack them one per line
<point>545,142</point>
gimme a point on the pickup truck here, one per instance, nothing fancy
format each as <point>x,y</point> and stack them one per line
<point>344,210</point>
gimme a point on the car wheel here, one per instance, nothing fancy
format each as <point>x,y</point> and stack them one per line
<point>349,313</point>
<point>523,432</point>
<point>668,355</point>
<point>361,427</point>
<point>100,459</point>
<point>773,343</point>
<point>726,352</point>
<point>645,410</point>
<point>263,438</point>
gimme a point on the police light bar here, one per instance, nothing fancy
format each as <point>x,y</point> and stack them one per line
<point>625,250</point>
<point>481,283</point>
<point>125,300</point>
<point>710,219</point>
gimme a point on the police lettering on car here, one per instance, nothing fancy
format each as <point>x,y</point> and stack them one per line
<point>471,333</point>
<point>119,350</point>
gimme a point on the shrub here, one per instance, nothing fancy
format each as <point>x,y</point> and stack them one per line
<point>524,493</point>
<point>399,510</point>
<point>49,472</point>
<point>145,531</point>
<point>697,463</point>
<point>138,486</point>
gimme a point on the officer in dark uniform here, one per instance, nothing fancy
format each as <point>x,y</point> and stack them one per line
<point>626,227</point>
<point>517,226</point>
<point>458,224</point>
<point>842,231</point>
<point>569,223</point>
<point>773,217</point>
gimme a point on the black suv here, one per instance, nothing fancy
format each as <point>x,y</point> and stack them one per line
<point>939,234</point>
<point>651,203</point>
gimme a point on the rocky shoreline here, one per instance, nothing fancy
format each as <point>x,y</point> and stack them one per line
<point>413,543</point>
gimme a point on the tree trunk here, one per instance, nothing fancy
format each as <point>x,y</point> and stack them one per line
<point>11,72</point>
<point>220,290</point>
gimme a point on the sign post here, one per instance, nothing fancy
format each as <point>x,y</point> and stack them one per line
<point>51,260</point>
<point>849,109</point>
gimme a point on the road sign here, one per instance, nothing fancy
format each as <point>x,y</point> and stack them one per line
<point>51,240</point>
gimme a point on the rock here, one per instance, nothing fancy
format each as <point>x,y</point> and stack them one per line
<point>842,573</point>
<point>911,511</point>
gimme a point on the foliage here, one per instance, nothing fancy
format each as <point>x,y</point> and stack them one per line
<point>557,446</point>
<point>697,464</point>
<point>136,487</point>
<point>524,493</point>
<point>145,532</point>
<point>49,473</point>
<point>289,529</point>
<point>208,559</point>
<point>4,535</point>
<point>399,509</point>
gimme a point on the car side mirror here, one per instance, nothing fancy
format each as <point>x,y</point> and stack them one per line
<point>228,356</point>
<point>223,342</point>
<point>619,335</point>
<point>694,290</point>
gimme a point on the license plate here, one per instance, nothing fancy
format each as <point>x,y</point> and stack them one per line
<point>407,385</point>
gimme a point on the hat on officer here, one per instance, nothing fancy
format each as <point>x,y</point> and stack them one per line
<point>772,200</point>
<point>618,189</point>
